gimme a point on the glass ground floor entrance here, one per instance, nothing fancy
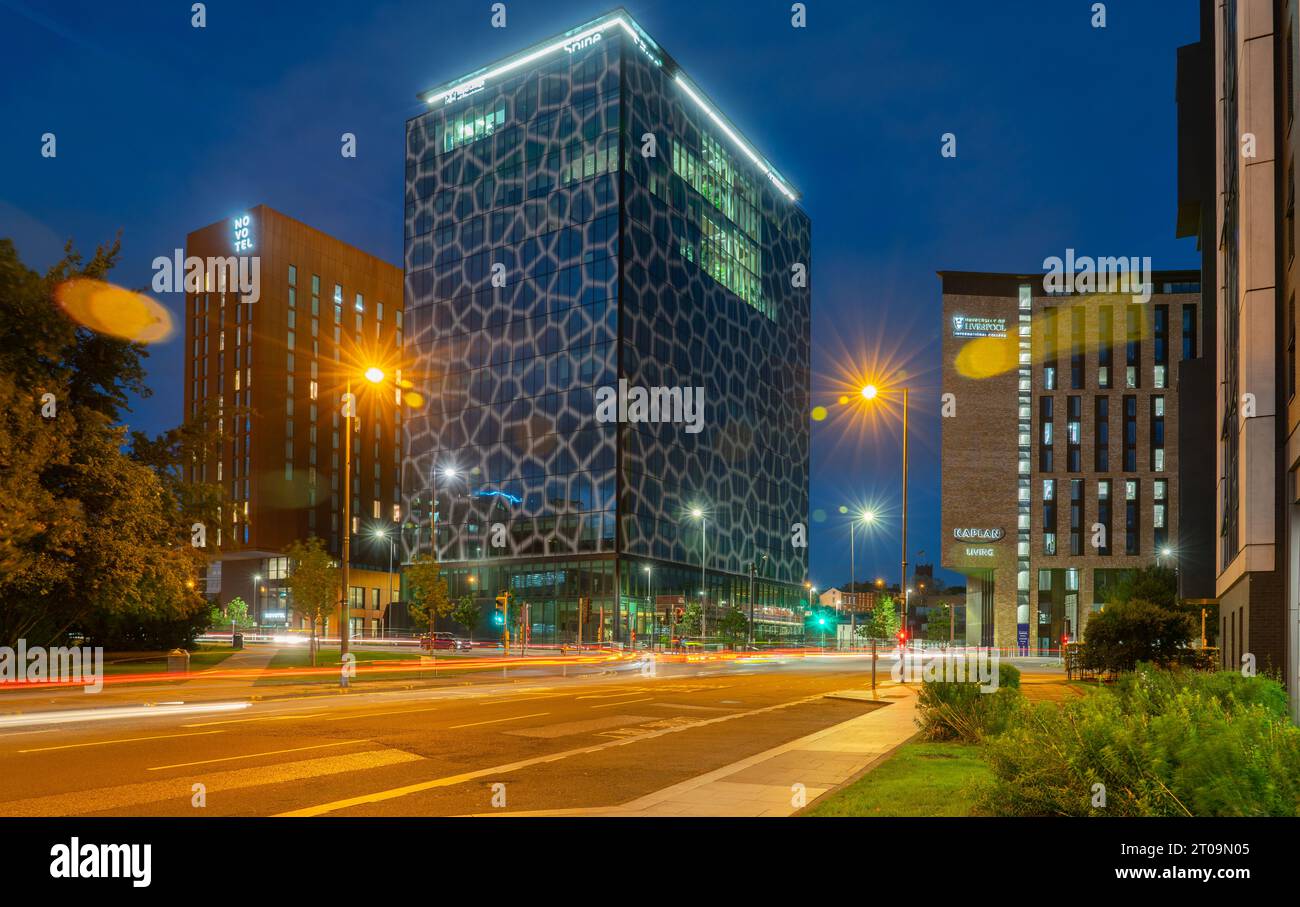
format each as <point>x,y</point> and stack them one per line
<point>628,601</point>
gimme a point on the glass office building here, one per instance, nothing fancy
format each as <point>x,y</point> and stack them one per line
<point>579,217</point>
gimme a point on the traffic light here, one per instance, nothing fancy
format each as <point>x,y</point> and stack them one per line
<point>902,637</point>
<point>502,608</point>
<point>585,605</point>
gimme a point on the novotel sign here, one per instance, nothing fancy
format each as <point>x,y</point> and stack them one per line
<point>978,533</point>
<point>242,236</point>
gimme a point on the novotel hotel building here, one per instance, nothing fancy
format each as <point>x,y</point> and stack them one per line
<point>1061,466</point>
<point>580,218</point>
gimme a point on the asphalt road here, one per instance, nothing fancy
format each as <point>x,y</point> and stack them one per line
<point>554,743</point>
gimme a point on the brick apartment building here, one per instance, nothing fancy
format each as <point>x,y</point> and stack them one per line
<point>1060,467</point>
<point>271,373</point>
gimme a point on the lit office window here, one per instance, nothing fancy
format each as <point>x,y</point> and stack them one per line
<point>1158,433</point>
<point>1132,517</point>
<point>1103,514</point>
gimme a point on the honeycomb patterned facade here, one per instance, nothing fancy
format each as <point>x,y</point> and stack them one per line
<point>549,253</point>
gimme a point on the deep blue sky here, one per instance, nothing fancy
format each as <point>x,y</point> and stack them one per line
<point>1065,137</point>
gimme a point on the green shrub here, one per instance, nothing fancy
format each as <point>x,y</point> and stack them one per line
<point>1150,689</point>
<point>949,710</point>
<point>1161,744</point>
<point>1125,633</point>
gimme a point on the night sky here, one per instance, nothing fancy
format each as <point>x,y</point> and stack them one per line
<point>1065,138</point>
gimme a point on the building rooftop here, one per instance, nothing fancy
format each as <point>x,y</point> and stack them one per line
<point>570,40</point>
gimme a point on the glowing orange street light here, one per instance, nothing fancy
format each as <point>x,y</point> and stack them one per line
<point>869,392</point>
<point>374,375</point>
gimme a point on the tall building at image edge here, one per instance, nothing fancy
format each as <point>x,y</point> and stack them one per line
<point>635,235</point>
<point>270,375</point>
<point>1061,467</point>
<point>1239,80</point>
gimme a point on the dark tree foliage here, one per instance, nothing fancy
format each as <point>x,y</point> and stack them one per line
<point>93,537</point>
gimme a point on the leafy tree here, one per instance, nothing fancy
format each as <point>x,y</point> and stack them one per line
<point>313,583</point>
<point>465,613</point>
<point>734,626</point>
<point>1127,632</point>
<point>884,621</point>
<point>235,614</point>
<point>1154,583</point>
<point>90,537</point>
<point>426,595</point>
<point>938,622</point>
<point>692,620</point>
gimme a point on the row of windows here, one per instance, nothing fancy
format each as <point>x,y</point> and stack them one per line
<point>1134,332</point>
<point>1100,536</point>
<point>1101,434</point>
<point>719,182</point>
<point>511,184</point>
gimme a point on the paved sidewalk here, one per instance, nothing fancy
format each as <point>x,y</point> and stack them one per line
<point>765,784</point>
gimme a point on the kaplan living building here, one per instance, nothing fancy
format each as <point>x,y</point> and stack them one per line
<point>1060,461</point>
<point>581,219</point>
<point>269,377</point>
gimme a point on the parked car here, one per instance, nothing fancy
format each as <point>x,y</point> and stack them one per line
<point>432,641</point>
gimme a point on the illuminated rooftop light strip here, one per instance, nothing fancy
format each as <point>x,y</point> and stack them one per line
<point>512,65</point>
<point>740,143</point>
<point>528,58</point>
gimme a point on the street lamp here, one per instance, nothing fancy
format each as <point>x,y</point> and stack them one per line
<point>753,572</point>
<point>448,472</point>
<point>867,517</point>
<point>653,610</point>
<point>374,376</point>
<point>257,610</point>
<point>382,533</point>
<point>870,392</point>
<point>699,514</point>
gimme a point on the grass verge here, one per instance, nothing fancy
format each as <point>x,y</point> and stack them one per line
<point>920,779</point>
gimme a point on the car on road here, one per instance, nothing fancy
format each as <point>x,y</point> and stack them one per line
<point>433,641</point>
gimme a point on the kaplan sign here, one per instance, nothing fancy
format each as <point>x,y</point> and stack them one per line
<point>985,535</point>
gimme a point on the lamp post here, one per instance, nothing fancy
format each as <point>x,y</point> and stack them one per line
<point>867,517</point>
<point>704,535</point>
<point>448,472</point>
<point>753,572</point>
<point>257,579</point>
<point>382,533</point>
<point>870,392</point>
<point>649,597</point>
<point>374,376</point>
